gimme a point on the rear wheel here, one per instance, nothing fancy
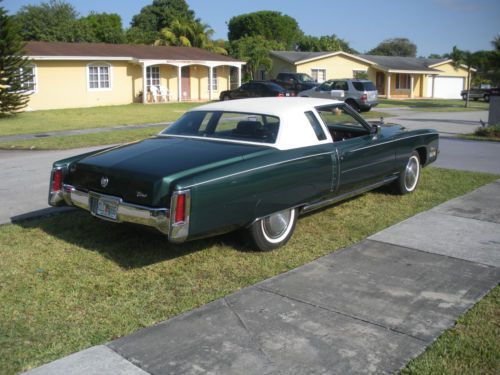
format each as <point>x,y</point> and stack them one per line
<point>274,230</point>
<point>408,178</point>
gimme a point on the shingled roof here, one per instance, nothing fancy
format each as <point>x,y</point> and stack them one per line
<point>404,63</point>
<point>384,62</point>
<point>125,51</point>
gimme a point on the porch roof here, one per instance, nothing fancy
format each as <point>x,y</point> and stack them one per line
<point>83,51</point>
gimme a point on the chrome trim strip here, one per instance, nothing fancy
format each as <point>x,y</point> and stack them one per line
<point>393,140</point>
<point>158,218</point>
<point>326,202</point>
<point>261,167</point>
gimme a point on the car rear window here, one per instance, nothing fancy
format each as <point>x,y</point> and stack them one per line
<point>248,127</point>
<point>364,86</point>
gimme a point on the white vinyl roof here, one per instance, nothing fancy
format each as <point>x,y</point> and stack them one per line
<point>295,129</point>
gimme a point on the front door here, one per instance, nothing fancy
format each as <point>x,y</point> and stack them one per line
<point>186,83</point>
<point>380,82</point>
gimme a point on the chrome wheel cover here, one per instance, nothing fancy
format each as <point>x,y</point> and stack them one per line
<point>276,227</point>
<point>412,173</point>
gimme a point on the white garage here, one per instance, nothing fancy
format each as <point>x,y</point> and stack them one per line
<point>445,87</point>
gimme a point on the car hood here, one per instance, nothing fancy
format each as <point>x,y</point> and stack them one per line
<point>145,172</point>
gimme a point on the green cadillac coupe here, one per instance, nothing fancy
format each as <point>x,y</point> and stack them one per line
<point>252,164</point>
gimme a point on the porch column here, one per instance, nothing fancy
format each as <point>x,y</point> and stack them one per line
<point>388,90</point>
<point>179,83</point>
<point>144,84</point>
<point>411,86</point>
<point>239,76</point>
<point>210,83</point>
<point>433,79</point>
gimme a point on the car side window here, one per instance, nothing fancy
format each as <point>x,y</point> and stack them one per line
<point>316,126</point>
<point>326,86</point>
<point>337,117</point>
<point>340,85</point>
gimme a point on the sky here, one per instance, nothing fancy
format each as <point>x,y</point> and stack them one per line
<point>435,26</point>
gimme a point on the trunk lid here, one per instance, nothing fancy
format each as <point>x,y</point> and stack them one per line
<point>143,172</point>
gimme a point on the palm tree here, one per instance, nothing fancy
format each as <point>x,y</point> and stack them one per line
<point>461,58</point>
<point>189,34</point>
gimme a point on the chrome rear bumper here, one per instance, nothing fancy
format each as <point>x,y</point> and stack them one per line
<point>158,218</point>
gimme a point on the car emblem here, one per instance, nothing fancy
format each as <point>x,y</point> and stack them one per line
<point>104,181</point>
<point>140,194</point>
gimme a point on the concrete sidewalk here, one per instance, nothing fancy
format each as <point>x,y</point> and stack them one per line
<point>369,308</point>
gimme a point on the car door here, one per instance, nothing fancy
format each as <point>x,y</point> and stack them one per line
<point>364,156</point>
<point>324,91</point>
<point>242,92</point>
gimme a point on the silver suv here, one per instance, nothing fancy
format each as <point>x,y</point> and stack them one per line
<point>360,94</point>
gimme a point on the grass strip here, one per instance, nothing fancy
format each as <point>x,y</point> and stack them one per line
<point>472,346</point>
<point>87,118</point>
<point>103,138</point>
<point>434,105</point>
<point>70,281</point>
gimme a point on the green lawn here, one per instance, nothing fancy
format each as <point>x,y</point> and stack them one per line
<point>434,105</point>
<point>70,281</point>
<point>95,117</point>
<point>168,111</point>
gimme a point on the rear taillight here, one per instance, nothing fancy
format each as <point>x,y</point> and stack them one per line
<point>280,94</point>
<point>364,97</point>
<point>180,208</point>
<point>57,180</point>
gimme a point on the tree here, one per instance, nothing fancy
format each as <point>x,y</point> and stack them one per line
<point>255,51</point>
<point>395,47</point>
<point>332,43</point>
<point>436,56</point>
<point>13,67</point>
<point>51,22</point>
<point>101,27</point>
<point>496,43</point>
<point>189,34</point>
<point>269,25</point>
<point>466,58</point>
<point>161,14</point>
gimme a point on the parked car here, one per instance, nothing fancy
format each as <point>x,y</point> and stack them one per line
<point>295,82</point>
<point>360,94</point>
<point>476,93</point>
<point>255,89</point>
<point>251,164</point>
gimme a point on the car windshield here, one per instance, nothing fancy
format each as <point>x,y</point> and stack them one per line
<point>248,127</point>
<point>364,86</point>
<point>305,78</point>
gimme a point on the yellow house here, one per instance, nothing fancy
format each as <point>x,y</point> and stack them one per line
<point>69,75</point>
<point>394,76</point>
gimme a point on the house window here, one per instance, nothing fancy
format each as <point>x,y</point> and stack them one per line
<point>215,83</point>
<point>29,73</point>
<point>99,76</point>
<point>319,75</point>
<point>152,77</point>
<point>403,81</point>
<point>262,73</point>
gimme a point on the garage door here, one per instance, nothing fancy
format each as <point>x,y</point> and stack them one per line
<point>445,87</point>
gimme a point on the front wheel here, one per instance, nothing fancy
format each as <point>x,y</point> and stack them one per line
<point>274,230</point>
<point>408,178</point>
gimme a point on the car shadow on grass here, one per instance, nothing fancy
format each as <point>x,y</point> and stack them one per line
<point>129,246</point>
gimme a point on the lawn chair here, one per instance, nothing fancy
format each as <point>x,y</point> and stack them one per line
<point>154,93</point>
<point>164,93</point>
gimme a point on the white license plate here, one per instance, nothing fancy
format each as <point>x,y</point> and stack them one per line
<point>107,208</point>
